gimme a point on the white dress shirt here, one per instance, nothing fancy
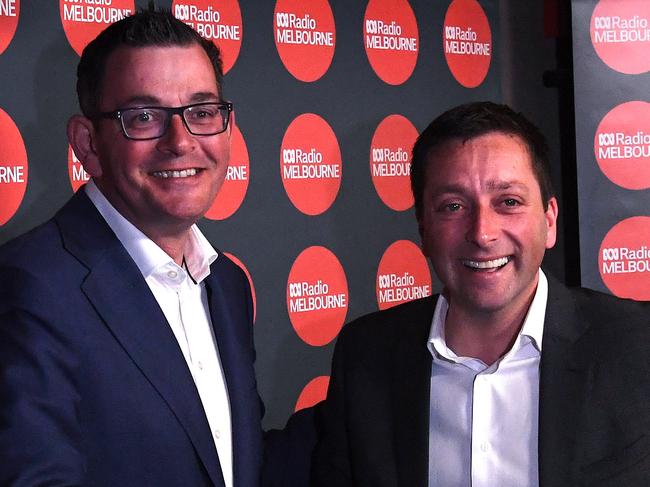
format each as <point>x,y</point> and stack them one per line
<point>483,421</point>
<point>181,295</point>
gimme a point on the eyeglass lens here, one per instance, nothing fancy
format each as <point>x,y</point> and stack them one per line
<point>146,123</point>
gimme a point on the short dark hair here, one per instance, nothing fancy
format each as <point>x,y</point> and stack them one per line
<point>472,120</point>
<point>145,28</point>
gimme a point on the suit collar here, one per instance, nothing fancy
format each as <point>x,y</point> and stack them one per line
<point>115,287</point>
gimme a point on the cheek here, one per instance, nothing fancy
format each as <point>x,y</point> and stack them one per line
<point>439,240</point>
<point>218,150</point>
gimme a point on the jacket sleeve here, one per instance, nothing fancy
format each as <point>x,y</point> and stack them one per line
<point>331,459</point>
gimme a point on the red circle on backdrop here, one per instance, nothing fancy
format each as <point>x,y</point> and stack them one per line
<point>250,280</point>
<point>232,192</point>
<point>622,145</point>
<point>310,164</point>
<point>78,176</point>
<point>391,39</point>
<point>305,37</point>
<point>219,22</point>
<point>83,20</point>
<point>620,34</point>
<point>314,392</point>
<point>467,42</point>
<point>317,296</point>
<point>403,275</point>
<point>624,259</point>
<point>390,161</point>
<point>13,168</point>
<point>8,22</point>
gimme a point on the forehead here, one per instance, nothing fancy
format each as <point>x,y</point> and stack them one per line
<point>160,72</point>
<point>490,157</point>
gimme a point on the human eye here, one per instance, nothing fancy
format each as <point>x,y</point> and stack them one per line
<point>203,113</point>
<point>450,207</point>
<point>139,118</point>
<point>510,203</point>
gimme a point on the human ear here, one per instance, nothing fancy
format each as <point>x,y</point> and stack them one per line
<point>81,133</point>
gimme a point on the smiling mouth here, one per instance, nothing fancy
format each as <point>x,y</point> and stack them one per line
<point>184,173</point>
<point>487,265</point>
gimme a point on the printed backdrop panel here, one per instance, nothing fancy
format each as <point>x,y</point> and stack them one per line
<point>611,41</point>
<point>329,97</point>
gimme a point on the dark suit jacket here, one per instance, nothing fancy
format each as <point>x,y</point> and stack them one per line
<point>594,417</point>
<point>94,389</point>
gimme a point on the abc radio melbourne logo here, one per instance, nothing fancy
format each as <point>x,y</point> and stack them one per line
<point>620,34</point>
<point>222,25</point>
<point>83,20</point>
<point>310,164</point>
<point>391,39</point>
<point>9,12</point>
<point>313,296</point>
<point>206,22</point>
<point>13,168</point>
<point>619,145</point>
<point>388,36</point>
<point>299,164</point>
<point>233,190</point>
<point>624,258</point>
<point>301,30</point>
<point>317,295</point>
<point>390,161</point>
<point>305,37</point>
<point>467,42</point>
<point>402,275</point>
<point>399,288</point>
<point>622,145</point>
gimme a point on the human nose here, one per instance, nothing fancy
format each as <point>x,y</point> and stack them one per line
<point>177,139</point>
<point>484,227</point>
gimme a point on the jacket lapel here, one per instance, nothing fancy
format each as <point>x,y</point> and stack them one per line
<point>411,384</point>
<point>562,378</point>
<point>233,331</point>
<point>126,305</point>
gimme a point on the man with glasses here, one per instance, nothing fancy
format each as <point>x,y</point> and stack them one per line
<point>126,347</point>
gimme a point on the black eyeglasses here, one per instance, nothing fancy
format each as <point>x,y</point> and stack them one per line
<point>146,123</point>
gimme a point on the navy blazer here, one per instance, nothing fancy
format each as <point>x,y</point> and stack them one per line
<point>94,389</point>
<point>594,404</point>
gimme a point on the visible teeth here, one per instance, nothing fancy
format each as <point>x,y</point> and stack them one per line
<point>175,174</point>
<point>486,264</point>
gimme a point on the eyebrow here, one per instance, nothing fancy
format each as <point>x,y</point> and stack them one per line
<point>505,185</point>
<point>144,100</point>
<point>492,185</point>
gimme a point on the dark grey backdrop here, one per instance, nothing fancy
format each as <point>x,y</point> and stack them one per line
<point>37,77</point>
<point>598,89</point>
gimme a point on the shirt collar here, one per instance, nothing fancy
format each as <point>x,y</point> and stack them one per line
<point>532,328</point>
<point>148,256</point>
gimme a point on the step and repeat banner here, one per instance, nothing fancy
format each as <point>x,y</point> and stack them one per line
<point>329,98</point>
<point>611,46</point>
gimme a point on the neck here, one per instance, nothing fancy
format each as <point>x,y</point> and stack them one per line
<point>484,335</point>
<point>172,243</point>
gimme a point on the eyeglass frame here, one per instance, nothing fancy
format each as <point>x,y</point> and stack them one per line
<point>170,111</point>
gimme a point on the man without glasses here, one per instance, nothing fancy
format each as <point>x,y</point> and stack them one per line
<point>126,348</point>
<point>507,378</point>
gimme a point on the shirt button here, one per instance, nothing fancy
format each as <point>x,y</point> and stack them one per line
<point>485,446</point>
<point>217,434</point>
<point>172,274</point>
<point>200,364</point>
